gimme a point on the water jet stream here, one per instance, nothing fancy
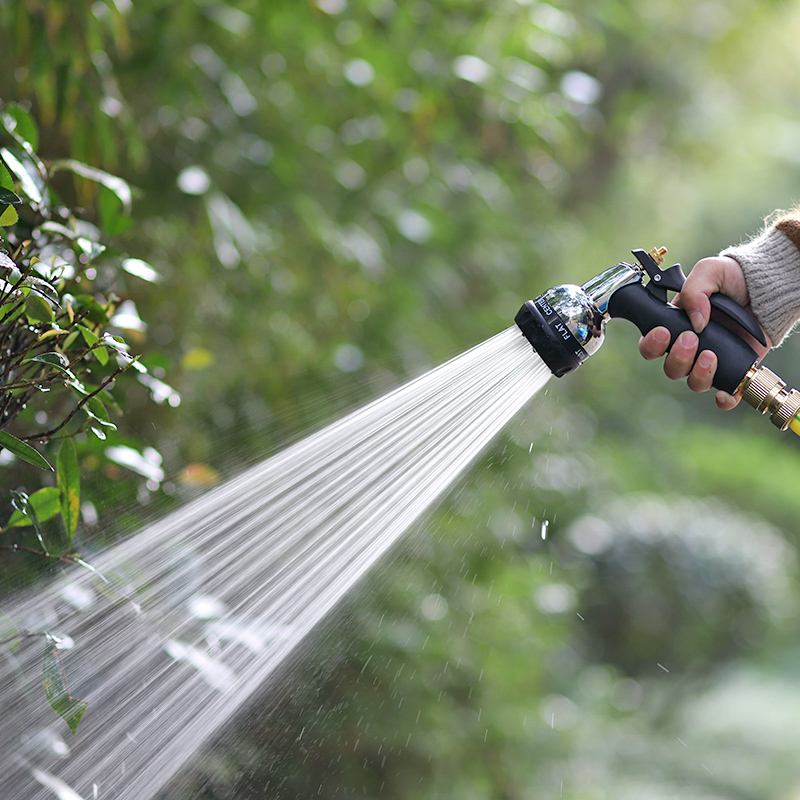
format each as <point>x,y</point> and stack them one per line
<point>224,589</point>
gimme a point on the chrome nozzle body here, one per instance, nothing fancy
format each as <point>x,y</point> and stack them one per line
<point>584,309</point>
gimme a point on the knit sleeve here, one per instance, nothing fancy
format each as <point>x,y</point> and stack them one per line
<point>771,265</point>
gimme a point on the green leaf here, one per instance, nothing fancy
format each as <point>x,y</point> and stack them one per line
<point>31,182</point>
<point>20,124</point>
<point>112,214</point>
<point>101,354</point>
<point>89,248</point>
<point>57,360</point>
<point>42,288</point>
<point>6,181</point>
<point>8,216</point>
<point>69,708</point>
<point>10,310</point>
<point>37,309</point>
<point>70,340</point>
<point>69,484</point>
<point>95,313</point>
<point>44,504</point>
<point>141,269</point>
<point>118,186</point>
<point>14,275</point>
<point>22,450</point>
<point>91,339</point>
<point>57,228</point>
<point>8,197</point>
<point>97,411</point>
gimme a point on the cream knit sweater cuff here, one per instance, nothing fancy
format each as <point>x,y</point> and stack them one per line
<point>771,266</point>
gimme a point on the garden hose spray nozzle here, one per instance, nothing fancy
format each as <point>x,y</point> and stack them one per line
<point>566,324</point>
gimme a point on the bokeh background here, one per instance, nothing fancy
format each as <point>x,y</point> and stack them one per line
<point>342,194</point>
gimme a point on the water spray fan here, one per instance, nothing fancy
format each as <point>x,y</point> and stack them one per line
<point>566,324</point>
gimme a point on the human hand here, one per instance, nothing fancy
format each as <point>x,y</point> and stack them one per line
<point>715,274</point>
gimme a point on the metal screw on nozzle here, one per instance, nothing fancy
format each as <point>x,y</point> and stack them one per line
<point>657,254</point>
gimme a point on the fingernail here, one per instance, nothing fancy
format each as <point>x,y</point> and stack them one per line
<point>696,318</point>
<point>705,359</point>
<point>661,335</point>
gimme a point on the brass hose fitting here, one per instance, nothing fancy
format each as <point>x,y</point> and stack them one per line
<point>766,393</point>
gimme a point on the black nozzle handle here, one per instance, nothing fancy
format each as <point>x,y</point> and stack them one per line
<point>735,357</point>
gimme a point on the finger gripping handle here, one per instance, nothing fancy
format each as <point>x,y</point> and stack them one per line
<point>735,357</point>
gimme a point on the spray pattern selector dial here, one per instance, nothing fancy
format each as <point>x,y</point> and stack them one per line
<point>672,279</point>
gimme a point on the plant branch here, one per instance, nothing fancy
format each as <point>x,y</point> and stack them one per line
<point>49,434</point>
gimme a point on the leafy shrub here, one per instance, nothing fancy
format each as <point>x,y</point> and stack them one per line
<point>62,355</point>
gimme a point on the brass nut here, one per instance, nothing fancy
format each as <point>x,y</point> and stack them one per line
<point>766,393</point>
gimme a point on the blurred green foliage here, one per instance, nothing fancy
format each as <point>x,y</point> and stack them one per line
<point>340,195</point>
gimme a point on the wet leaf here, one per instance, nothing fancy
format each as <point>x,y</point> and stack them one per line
<point>97,411</point>
<point>31,183</point>
<point>69,708</point>
<point>69,484</point>
<point>43,505</point>
<point>23,450</point>
<point>42,288</point>
<point>7,197</point>
<point>14,274</point>
<point>53,359</point>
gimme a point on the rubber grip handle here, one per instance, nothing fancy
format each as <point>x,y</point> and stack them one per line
<point>735,357</point>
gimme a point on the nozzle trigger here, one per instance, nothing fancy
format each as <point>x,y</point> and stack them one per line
<point>731,309</point>
<point>664,280</point>
<point>672,280</point>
